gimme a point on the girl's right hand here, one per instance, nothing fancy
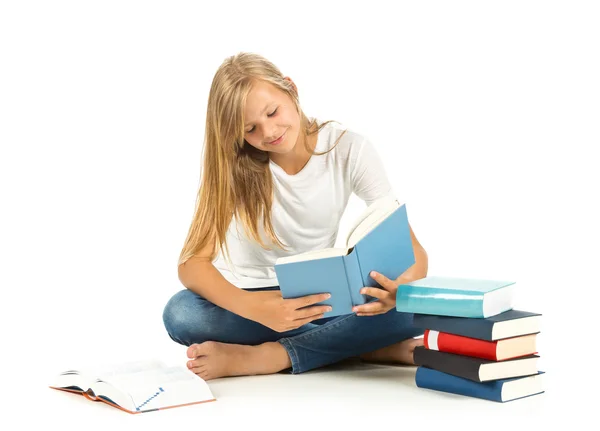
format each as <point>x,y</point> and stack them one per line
<point>270,309</point>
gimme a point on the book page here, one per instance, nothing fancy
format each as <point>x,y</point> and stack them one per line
<point>371,217</point>
<point>151,377</point>
<point>368,219</point>
<point>168,386</point>
<point>72,380</point>
<point>312,255</point>
<point>86,376</point>
<point>361,218</point>
<point>110,370</point>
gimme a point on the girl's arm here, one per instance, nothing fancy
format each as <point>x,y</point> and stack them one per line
<point>200,276</point>
<point>421,265</point>
<point>266,307</point>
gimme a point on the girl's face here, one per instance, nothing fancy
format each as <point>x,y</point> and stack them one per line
<point>272,122</point>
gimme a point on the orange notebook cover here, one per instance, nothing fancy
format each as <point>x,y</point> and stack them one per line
<point>90,396</point>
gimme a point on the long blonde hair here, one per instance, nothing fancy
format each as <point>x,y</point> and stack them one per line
<point>236,179</point>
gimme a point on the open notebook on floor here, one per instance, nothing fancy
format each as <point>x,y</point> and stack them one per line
<point>136,387</point>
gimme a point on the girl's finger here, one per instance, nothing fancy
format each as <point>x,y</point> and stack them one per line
<point>374,292</point>
<point>316,310</point>
<point>383,281</point>
<point>368,314</point>
<point>371,307</point>
<point>300,322</point>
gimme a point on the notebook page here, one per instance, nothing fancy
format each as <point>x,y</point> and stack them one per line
<point>162,388</point>
<point>110,370</point>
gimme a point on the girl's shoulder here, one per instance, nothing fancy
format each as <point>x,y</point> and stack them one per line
<point>344,138</point>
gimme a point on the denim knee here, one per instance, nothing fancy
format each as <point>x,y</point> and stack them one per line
<point>184,318</point>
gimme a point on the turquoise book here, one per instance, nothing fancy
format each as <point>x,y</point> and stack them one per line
<point>379,241</point>
<point>455,296</point>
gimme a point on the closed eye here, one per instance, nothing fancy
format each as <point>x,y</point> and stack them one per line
<point>268,115</point>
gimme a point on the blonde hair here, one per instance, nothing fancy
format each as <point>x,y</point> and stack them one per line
<point>236,179</point>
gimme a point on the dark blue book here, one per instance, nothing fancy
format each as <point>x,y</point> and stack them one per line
<point>512,323</point>
<point>502,390</point>
<point>379,241</point>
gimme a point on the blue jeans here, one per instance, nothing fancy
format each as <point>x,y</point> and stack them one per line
<point>191,319</point>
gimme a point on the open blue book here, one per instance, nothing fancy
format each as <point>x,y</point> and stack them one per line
<point>379,241</point>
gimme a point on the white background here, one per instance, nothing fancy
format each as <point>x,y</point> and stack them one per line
<point>486,115</point>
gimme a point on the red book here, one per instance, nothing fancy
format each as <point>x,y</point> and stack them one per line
<point>498,350</point>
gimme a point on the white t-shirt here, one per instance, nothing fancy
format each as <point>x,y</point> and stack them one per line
<point>307,207</point>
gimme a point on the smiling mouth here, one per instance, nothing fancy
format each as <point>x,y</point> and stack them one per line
<point>278,140</point>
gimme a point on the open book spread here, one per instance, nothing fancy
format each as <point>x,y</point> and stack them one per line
<point>372,216</point>
<point>137,387</point>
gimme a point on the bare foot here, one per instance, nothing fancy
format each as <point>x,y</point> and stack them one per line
<point>211,360</point>
<point>399,353</point>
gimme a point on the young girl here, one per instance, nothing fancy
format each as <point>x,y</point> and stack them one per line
<point>275,183</point>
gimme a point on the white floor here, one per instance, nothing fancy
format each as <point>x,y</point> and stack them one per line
<point>349,394</point>
<point>346,395</point>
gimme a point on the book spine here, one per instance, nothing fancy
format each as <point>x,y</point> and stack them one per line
<point>479,328</point>
<point>354,278</point>
<point>436,380</point>
<point>310,277</point>
<point>460,345</point>
<point>429,300</point>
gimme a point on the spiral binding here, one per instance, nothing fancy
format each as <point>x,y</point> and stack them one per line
<point>149,399</point>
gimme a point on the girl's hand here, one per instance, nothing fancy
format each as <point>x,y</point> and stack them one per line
<point>386,296</point>
<point>271,310</point>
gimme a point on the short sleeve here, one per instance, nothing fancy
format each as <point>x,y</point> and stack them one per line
<point>369,179</point>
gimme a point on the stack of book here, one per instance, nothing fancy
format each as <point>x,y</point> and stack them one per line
<point>475,343</point>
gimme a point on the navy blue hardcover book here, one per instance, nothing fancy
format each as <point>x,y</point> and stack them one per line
<point>512,323</point>
<point>379,241</point>
<point>502,390</point>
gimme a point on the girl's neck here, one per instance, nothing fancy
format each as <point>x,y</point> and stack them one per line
<point>294,161</point>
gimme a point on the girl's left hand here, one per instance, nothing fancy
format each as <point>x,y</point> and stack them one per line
<point>386,296</point>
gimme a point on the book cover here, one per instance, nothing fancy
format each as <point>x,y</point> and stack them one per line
<point>498,350</point>
<point>502,390</point>
<point>511,323</point>
<point>454,296</point>
<point>475,369</point>
<point>386,247</point>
